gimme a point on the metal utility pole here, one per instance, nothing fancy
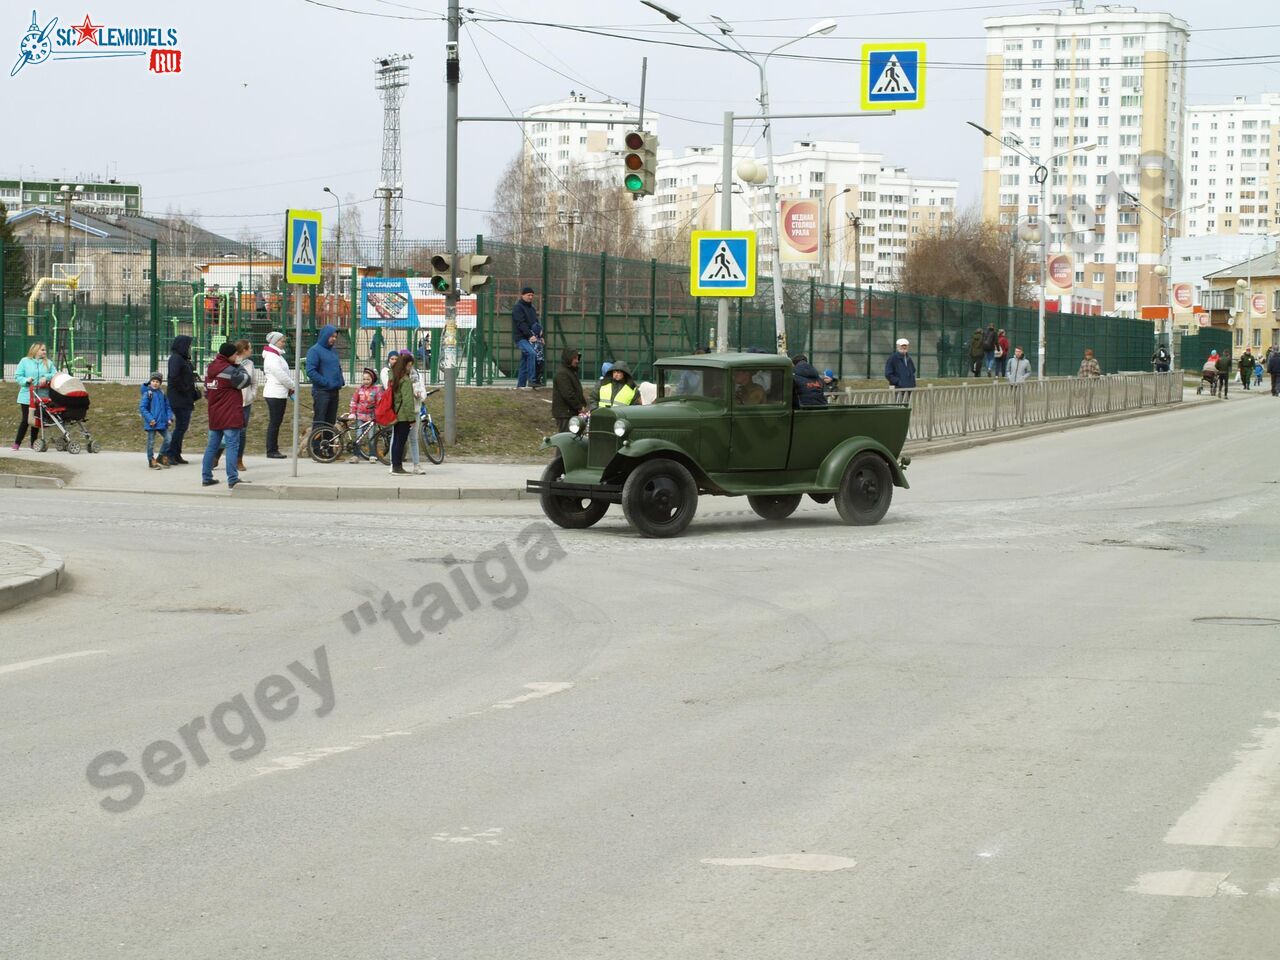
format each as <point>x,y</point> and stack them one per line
<point>449,348</point>
<point>856,222</point>
<point>391,77</point>
<point>826,239</point>
<point>68,194</point>
<point>726,223</point>
<point>337,267</point>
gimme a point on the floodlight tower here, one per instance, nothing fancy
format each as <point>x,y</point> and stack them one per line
<point>391,76</point>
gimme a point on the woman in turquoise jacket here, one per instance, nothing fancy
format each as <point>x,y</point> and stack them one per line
<point>34,371</point>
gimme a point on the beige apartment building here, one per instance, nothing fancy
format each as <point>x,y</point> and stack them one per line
<point>1098,97</point>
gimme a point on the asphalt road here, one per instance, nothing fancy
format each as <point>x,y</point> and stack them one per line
<point>988,728</point>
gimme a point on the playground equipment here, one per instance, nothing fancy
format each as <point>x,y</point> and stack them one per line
<point>210,323</point>
<point>63,352</point>
<point>69,282</point>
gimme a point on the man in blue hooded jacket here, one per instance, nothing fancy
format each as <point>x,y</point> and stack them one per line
<point>324,370</point>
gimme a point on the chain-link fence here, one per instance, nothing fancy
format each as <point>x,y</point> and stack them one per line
<point>133,296</point>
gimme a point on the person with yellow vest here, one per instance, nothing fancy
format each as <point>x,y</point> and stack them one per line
<point>620,389</point>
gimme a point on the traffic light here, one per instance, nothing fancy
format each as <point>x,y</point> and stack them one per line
<point>641,162</point>
<point>471,273</point>
<point>440,270</point>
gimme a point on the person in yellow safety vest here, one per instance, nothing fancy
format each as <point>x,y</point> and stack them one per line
<point>620,389</point>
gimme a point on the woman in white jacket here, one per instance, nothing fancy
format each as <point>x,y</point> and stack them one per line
<point>279,388</point>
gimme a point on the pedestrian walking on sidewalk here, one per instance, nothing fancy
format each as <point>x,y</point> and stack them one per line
<point>405,407</point>
<point>566,390</point>
<point>1246,368</point>
<point>1019,369</point>
<point>182,395</point>
<point>989,340</point>
<point>415,434</point>
<point>157,420</point>
<point>975,352</point>
<point>1223,366</point>
<point>34,372</point>
<point>1002,354</point>
<point>278,389</point>
<point>1089,366</point>
<point>1273,368</point>
<point>900,369</point>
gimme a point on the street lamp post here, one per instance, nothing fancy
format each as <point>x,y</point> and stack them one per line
<point>826,234</point>
<point>1042,177</point>
<point>1027,234</point>
<point>337,266</point>
<point>1163,270</point>
<point>818,29</point>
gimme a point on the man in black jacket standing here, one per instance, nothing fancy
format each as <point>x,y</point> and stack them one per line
<point>524,319</point>
<point>566,390</point>
<point>182,394</point>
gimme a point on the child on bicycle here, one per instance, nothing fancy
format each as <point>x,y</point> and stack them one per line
<point>363,402</point>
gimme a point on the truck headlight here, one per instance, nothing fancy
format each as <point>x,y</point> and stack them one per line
<point>575,425</point>
<point>621,428</point>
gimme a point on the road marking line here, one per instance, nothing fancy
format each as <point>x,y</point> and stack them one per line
<point>304,758</point>
<point>541,689</point>
<point>1242,807</point>
<point>820,862</point>
<point>28,664</point>
<point>1178,883</point>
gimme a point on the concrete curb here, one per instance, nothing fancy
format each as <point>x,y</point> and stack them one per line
<point>349,494</point>
<point>44,578</point>
<point>23,481</point>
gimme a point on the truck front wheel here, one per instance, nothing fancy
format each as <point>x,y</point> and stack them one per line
<point>660,498</point>
<point>775,508</point>
<point>572,513</point>
<point>865,491</point>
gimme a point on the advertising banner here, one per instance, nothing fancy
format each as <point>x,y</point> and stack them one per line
<point>408,302</point>
<point>801,240</point>
<point>1259,304</point>
<point>1060,273</point>
<point>1184,297</point>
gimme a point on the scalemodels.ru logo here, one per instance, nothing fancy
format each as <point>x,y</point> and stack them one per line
<point>89,40</point>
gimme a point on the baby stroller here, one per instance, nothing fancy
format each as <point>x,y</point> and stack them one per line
<point>1208,381</point>
<point>68,403</point>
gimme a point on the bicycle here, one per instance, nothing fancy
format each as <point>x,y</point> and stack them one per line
<point>432,442</point>
<point>328,442</point>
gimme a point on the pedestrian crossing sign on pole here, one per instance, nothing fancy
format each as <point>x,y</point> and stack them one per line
<point>893,76</point>
<point>302,246</point>
<point>722,263</point>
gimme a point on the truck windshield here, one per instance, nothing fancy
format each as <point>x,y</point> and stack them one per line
<point>690,382</point>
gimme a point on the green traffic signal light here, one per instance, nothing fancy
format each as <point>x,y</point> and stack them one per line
<point>634,182</point>
<point>440,284</point>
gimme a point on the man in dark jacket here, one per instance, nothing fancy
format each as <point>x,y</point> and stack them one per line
<point>808,383</point>
<point>566,390</point>
<point>222,384</point>
<point>181,394</point>
<point>975,352</point>
<point>1273,368</point>
<point>900,369</point>
<point>1160,360</point>
<point>1223,366</point>
<point>1246,366</point>
<point>324,370</point>
<point>524,318</point>
<point>989,341</point>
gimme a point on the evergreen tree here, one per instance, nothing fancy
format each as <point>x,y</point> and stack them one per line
<point>17,280</point>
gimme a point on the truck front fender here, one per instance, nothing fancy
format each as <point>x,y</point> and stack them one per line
<point>631,453</point>
<point>573,450</point>
<point>837,461</point>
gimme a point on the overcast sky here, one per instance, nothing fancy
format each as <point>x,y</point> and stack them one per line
<point>276,98</point>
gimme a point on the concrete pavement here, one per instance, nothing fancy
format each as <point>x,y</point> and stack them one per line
<point>1021,716</point>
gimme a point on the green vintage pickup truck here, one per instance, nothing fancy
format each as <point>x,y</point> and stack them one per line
<point>723,425</point>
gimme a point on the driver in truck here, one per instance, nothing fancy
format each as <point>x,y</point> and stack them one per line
<point>746,392</point>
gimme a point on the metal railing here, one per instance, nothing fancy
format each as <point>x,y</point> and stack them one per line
<point>966,410</point>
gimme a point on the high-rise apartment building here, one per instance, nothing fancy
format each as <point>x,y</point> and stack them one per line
<point>1098,98</point>
<point>1230,165</point>
<point>558,144</point>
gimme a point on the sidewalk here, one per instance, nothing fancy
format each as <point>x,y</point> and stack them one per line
<point>27,572</point>
<point>116,472</point>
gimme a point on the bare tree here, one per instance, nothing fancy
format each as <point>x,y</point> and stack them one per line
<point>967,259</point>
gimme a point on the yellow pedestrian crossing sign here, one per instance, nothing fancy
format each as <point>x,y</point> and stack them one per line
<point>722,263</point>
<point>893,76</point>
<point>302,246</point>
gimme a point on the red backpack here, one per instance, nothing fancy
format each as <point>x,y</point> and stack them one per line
<point>384,411</point>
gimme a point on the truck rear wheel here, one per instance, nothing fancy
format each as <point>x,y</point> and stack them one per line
<point>775,507</point>
<point>660,498</point>
<point>572,513</point>
<point>865,491</point>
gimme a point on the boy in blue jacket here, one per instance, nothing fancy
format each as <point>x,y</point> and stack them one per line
<point>157,420</point>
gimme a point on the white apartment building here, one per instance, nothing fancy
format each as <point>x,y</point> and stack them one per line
<point>1099,97</point>
<point>558,144</point>
<point>893,208</point>
<point>1228,167</point>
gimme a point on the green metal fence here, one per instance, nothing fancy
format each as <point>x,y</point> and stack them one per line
<point>139,295</point>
